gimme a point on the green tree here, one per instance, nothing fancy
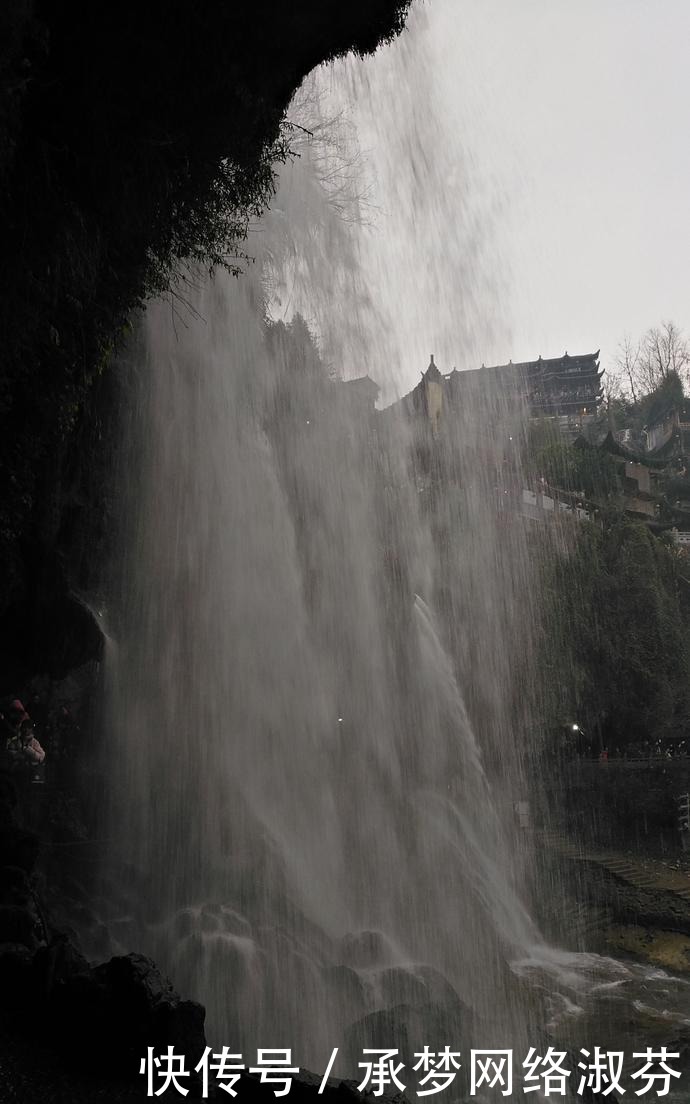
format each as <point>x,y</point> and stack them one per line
<point>579,469</point>
<point>616,622</point>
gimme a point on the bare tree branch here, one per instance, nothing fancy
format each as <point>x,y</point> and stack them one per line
<point>644,365</point>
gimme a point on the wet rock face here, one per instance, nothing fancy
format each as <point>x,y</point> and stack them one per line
<point>15,976</point>
<point>366,948</point>
<point>105,1016</point>
<point>419,1006</point>
<point>18,925</point>
<point>53,633</point>
<point>19,846</point>
<point>97,1017</point>
<point>112,1013</point>
<point>22,928</point>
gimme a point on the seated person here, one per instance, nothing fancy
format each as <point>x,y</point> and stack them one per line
<point>31,748</point>
<point>22,748</point>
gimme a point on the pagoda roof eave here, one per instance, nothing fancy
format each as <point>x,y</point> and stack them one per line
<point>586,359</point>
<point>361,382</point>
<point>611,445</point>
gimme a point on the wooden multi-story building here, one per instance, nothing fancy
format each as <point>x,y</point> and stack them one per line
<point>562,387</point>
<point>567,388</point>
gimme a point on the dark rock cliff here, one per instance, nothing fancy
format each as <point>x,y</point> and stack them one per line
<point>132,136</point>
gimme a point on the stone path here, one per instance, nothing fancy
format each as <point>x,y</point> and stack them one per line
<point>643,873</point>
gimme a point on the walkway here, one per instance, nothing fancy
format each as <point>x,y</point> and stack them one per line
<point>664,875</point>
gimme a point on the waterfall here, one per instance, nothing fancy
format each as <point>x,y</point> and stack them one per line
<point>306,833</point>
<point>320,702</point>
<point>317,704</point>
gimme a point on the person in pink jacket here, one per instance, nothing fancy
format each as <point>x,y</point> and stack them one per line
<point>23,749</point>
<point>30,746</point>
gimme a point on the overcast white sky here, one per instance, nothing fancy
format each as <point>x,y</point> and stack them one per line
<point>583,115</point>
<point>529,163</point>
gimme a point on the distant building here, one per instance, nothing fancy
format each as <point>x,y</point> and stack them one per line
<point>643,482</point>
<point>659,433</point>
<point>427,397</point>
<point>360,393</point>
<point>682,539</point>
<point>668,429</point>
<point>560,387</point>
<point>567,388</point>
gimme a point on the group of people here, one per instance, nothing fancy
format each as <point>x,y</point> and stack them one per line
<point>23,752</point>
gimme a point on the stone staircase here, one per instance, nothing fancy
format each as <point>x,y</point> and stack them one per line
<point>642,874</point>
